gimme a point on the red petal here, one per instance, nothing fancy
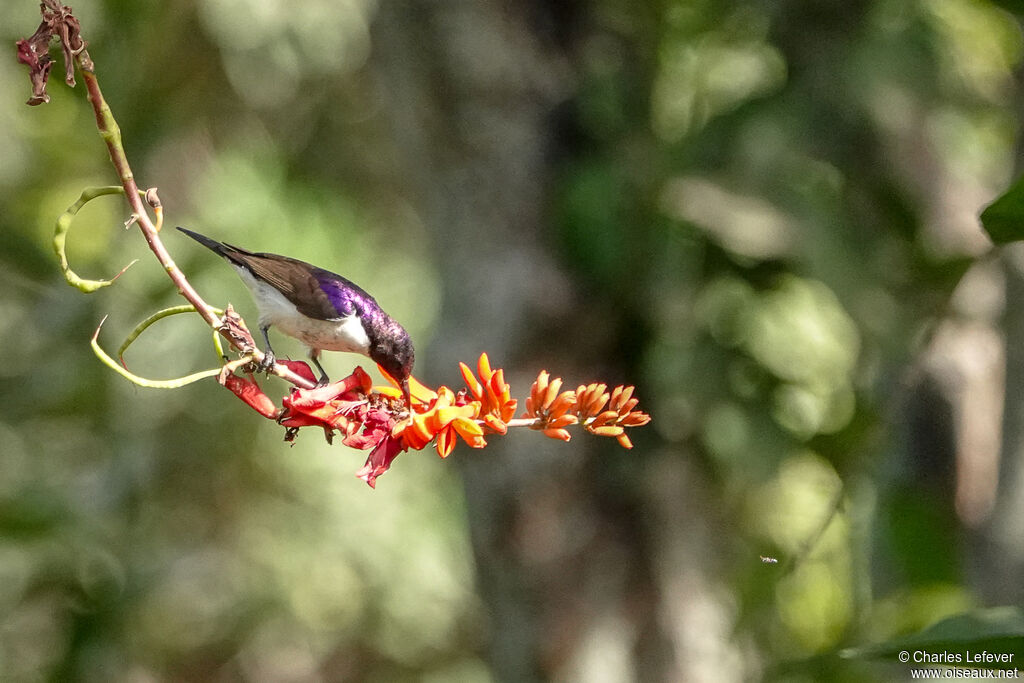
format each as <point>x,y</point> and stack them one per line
<point>380,460</point>
<point>364,440</point>
<point>300,420</point>
<point>363,381</point>
<point>250,392</point>
<point>300,368</point>
<point>311,399</point>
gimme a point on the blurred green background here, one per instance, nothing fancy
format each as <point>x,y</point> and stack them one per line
<point>763,214</point>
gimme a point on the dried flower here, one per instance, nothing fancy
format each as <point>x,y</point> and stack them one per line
<point>59,22</point>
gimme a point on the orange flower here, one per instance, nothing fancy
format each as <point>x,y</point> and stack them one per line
<point>443,418</point>
<point>419,393</point>
<point>497,406</point>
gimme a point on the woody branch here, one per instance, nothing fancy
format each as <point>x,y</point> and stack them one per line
<point>59,22</point>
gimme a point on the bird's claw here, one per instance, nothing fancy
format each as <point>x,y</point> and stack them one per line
<point>267,364</point>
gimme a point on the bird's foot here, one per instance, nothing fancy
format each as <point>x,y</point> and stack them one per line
<point>324,379</point>
<point>267,364</point>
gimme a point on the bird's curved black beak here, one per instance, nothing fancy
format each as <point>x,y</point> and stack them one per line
<point>405,392</point>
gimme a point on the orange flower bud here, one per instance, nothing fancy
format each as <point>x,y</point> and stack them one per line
<point>550,393</point>
<point>605,417</point>
<point>563,421</point>
<point>619,397</point>
<point>561,405</point>
<point>495,423</point>
<point>609,430</point>
<point>475,390</point>
<point>483,368</point>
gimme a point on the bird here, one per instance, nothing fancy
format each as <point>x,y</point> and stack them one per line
<point>323,310</point>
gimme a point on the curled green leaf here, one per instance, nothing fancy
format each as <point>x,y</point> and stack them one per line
<point>60,236</point>
<point>142,381</point>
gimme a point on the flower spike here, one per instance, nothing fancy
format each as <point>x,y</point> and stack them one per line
<point>377,418</point>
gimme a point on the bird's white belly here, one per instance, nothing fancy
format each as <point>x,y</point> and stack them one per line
<point>341,334</point>
<point>344,334</point>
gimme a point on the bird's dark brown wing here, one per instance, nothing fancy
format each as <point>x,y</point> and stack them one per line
<point>291,277</point>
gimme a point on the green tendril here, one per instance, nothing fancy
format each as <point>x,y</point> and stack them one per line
<point>60,236</point>
<point>217,345</point>
<point>142,381</point>
<point>159,315</point>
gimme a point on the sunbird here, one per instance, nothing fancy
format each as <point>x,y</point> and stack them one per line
<point>323,310</point>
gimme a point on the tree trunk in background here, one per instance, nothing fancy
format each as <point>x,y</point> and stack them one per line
<point>1002,565</point>
<point>1004,571</point>
<point>565,552</point>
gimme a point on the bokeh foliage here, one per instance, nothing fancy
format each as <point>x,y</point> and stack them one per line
<point>763,214</point>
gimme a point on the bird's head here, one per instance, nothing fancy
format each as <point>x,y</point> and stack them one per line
<point>394,352</point>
